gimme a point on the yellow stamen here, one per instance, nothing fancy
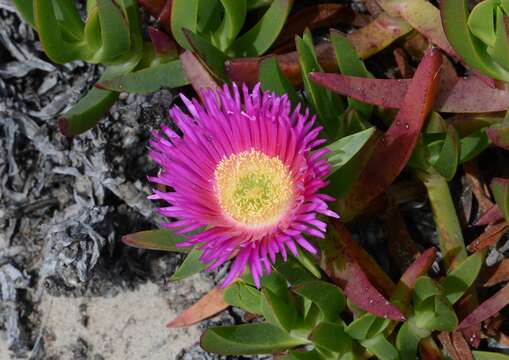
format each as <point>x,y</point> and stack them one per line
<point>253,188</point>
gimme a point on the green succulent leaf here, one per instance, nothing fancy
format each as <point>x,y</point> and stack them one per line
<point>293,271</point>
<point>247,339</point>
<point>328,297</point>
<point>234,16</point>
<point>244,296</point>
<point>272,79</point>
<point>381,348</point>
<point>481,22</point>
<point>486,355</point>
<point>260,37</point>
<point>170,75</point>
<point>454,18</point>
<point>446,161</point>
<point>349,63</point>
<point>500,189</point>
<point>424,288</point>
<point>190,266</point>
<point>278,311</point>
<point>184,15</point>
<point>473,145</point>
<point>51,35</point>
<point>210,56</point>
<point>344,149</point>
<point>331,336</point>
<point>408,339</point>
<point>115,31</point>
<point>70,20</point>
<point>459,280</point>
<point>160,239</point>
<point>500,51</point>
<point>325,104</point>
<point>26,9</point>
<point>367,326</point>
<point>304,355</point>
<point>309,262</point>
<point>435,314</point>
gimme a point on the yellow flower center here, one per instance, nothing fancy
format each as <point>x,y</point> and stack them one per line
<point>253,188</point>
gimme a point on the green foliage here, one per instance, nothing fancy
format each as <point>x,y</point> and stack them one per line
<point>480,38</point>
<point>190,266</point>
<point>161,239</point>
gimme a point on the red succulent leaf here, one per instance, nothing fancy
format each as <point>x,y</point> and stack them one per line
<point>395,148</point>
<point>491,235</point>
<point>340,264</point>
<point>487,309</point>
<point>491,216</point>
<point>465,95</point>
<point>494,275</point>
<point>209,305</point>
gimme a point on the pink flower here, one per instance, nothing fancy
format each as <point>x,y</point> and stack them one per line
<point>246,168</point>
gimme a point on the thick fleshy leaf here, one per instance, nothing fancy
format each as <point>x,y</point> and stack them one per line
<point>424,17</point>
<point>209,305</point>
<point>167,75</point>
<point>279,311</point>
<point>326,105</point>
<point>303,355</point>
<point>425,288</point>
<point>234,16</point>
<point>454,19</point>
<point>209,55</point>
<point>457,282</point>
<point>381,348</point>
<point>466,95</point>
<point>293,271</point>
<point>367,41</point>
<point>397,145</point>
<point>446,162</point>
<point>461,345</point>
<point>349,63</point>
<point>435,313</point>
<point>500,189</point>
<point>272,79</point>
<point>190,266</point>
<point>184,15</point>
<point>26,9</point>
<point>247,339</point>
<point>89,110</point>
<point>491,235</point>
<point>481,22</point>
<point>499,135</point>
<point>244,296</point>
<point>366,326</point>
<point>69,19</point>
<point>403,293</point>
<point>86,112</point>
<point>496,274</point>
<point>164,47</point>
<point>344,149</point>
<point>161,239</point>
<point>326,296</point>
<point>115,31</point>
<point>485,355</point>
<point>493,215</point>
<point>260,37</point>
<point>487,309</point>
<point>408,339</point>
<point>331,336</point>
<point>57,48</point>
<point>343,268</point>
<point>473,145</point>
<point>309,262</point>
<point>196,73</point>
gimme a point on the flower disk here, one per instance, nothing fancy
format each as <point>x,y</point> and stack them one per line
<point>245,178</point>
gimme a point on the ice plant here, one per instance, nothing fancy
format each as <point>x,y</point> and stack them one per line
<point>247,169</point>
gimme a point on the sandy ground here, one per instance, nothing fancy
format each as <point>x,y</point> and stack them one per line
<point>130,325</point>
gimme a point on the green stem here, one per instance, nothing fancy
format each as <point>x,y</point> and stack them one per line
<point>449,230</point>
